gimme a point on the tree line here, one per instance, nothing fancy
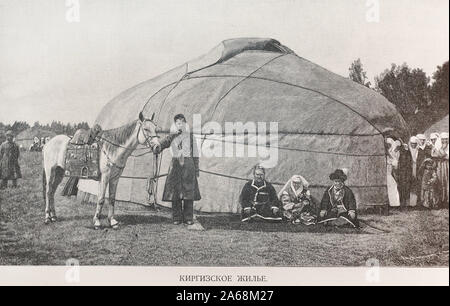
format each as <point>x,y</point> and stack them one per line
<point>421,100</point>
<point>56,126</point>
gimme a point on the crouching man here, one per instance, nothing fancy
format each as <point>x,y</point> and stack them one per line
<point>338,202</point>
<point>259,199</point>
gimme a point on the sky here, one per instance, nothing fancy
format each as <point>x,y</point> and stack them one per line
<point>54,69</point>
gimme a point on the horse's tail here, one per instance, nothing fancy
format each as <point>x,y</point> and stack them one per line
<point>44,185</point>
<point>71,187</point>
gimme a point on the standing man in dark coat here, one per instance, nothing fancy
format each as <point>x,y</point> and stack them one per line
<point>404,175</point>
<point>9,161</point>
<point>339,200</point>
<point>259,199</point>
<point>181,186</point>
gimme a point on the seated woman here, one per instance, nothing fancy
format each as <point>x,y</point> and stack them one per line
<point>297,202</point>
<point>338,201</point>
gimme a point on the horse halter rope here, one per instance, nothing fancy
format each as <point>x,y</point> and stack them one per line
<point>147,142</point>
<point>148,138</point>
<point>153,182</point>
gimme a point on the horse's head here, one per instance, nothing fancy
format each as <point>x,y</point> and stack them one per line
<point>148,132</point>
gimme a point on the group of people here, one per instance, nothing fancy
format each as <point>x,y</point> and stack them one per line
<point>418,175</point>
<point>258,198</point>
<point>38,144</point>
<point>294,202</point>
<point>418,172</point>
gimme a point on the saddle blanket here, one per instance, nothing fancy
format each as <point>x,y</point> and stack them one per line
<point>82,161</point>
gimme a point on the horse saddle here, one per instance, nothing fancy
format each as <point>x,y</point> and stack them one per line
<point>86,137</point>
<point>83,161</point>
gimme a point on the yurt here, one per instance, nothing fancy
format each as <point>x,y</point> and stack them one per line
<point>323,122</point>
<point>26,138</point>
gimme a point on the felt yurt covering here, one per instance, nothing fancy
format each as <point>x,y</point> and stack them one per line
<point>325,122</point>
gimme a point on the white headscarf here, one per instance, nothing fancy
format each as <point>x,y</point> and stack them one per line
<point>290,184</point>
<point>393,154</point>
<point>414,152</point>
<point>445,136</point>
<point>437,144</point>
<point>421,137</point>
<point>434,136</point>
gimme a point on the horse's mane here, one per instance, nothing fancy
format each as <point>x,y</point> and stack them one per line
<point>118,137</point>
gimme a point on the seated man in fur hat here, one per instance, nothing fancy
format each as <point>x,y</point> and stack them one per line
<point>259,199</point>
<point>338,201</point>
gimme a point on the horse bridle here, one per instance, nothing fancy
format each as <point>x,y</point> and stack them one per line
<point>148,138</point>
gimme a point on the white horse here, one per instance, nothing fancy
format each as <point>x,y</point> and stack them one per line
<point>115,147</point>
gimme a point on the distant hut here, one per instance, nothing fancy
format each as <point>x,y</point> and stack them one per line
<point>26,138</point>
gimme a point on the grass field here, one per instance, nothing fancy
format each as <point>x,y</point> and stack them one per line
<point>147,237</point>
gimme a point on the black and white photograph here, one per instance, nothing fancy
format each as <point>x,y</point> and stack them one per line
<point>191,135</point>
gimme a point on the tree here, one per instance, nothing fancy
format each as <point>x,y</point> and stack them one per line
<point>357,73</point>
<point>406,88</point>
<point>439,88</point>
<point>19,126</point>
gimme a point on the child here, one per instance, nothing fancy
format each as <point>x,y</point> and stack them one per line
<point>430,183</point>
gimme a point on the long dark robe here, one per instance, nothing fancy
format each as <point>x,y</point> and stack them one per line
<point>421,156</point>
<point>336,209</point>
<point>9,161</point>
<point>261,197</point>
<point>181,182</point>
<point>405,176</point>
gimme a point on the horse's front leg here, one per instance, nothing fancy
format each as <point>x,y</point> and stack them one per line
<point>49,195</point>
<point>101,197</point>
<point>113,182</point>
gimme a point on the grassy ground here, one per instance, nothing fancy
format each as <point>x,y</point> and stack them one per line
<point>417,238</point>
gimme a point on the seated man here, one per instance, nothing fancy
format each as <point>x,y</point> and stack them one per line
<point>259,199</point>
<point>338,201</point>
<point>297,202</point>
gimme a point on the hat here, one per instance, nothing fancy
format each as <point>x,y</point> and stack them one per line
<point>338,174</point>
<point>444,135</point>
<point>389,141</point>
<point>9,133</point>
